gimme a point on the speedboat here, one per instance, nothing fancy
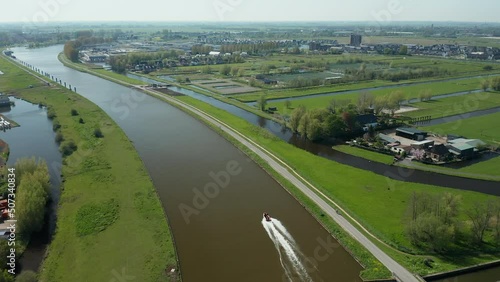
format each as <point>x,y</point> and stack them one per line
<point>267,216</point>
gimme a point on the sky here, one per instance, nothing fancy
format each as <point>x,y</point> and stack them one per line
<point>42,11</point>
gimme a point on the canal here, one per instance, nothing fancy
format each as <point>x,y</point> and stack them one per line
<point>35,138</point>
<point>225,238</point>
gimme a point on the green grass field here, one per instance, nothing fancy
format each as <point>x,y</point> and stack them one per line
<point>485,128</point>
<point>455,105</point>
<point>369,155</point>
<point>411,91</point>
<point>139,242</point>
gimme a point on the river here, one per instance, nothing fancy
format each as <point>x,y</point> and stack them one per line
<point>226,240</point>
<point>35,138</point>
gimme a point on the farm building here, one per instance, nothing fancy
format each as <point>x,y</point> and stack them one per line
<point>411,133</point>
<point>472,142</point>
<point>462,150</point>
<point>386,139</point>
<point>425,144</point>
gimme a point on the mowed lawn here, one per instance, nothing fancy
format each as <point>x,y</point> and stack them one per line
<point>138,244</point>
<point>486,128</point>
<point>456,105</point>
<point>409,92</point>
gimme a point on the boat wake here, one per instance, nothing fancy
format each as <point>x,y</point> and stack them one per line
<point>291,258</point>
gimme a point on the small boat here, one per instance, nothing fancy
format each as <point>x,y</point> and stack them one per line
<point>267,216</point>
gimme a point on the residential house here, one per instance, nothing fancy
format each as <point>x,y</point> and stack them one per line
<point>439,152</point>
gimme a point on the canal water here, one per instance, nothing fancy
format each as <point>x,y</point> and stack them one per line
<point>35,138</point>
<point>196,170</point>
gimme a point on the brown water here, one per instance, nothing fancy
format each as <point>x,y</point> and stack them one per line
<point>224,239</point>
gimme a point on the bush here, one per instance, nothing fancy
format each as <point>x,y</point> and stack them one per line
<point>98,133</point>
<point>59,137</point>
<point>68,148</point>
<point>488,68</point>
<point>51,114</point>
<point>56,125</point>
<point>81,121</point>
<point>74,112</point>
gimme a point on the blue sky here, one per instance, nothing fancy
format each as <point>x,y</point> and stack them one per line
<point>250,10</point>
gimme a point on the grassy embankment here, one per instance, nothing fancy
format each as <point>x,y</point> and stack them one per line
<point>363,194</point>
<point>101,171</point>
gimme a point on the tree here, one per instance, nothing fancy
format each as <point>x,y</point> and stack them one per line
<point>304,124</point>
<point>495,84</point>
<point>380,104</point>
<point>288,104</point>
<point>433,220</point>
<point>485,84</point>
<point>314,130</point>
<point>496,213</point>
<point>74,112</point>
<point>403,50</point>
<point>297,114</point>
<point>394,101</point>
<point>262,102</point>
<point>241,72</point>
<point>365,101</point>
<point>226,70</point>
<point>480,215</point>
<point>31,199</point>
<point>265,69</point>
<point>23,167</point>
<point>234,71</point>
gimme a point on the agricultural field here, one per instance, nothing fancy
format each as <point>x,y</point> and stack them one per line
<point>455,105</point>
<point>409,92</point>
<point>224,86</point>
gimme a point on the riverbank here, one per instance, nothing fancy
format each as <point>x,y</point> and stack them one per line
<point>138,243</point>
<point>12,123</point>
<point>362,194</point>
